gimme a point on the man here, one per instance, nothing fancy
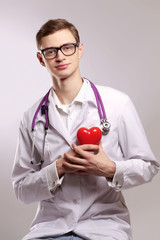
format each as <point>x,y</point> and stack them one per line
<point>78,187</point>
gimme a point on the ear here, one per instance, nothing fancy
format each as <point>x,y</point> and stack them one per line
<point>81,50</point>
<point>40,58</point>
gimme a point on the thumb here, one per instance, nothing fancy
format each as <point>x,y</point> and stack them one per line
<point>100,147</point>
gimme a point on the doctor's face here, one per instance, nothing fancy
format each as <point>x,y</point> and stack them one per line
<point>64,62</point>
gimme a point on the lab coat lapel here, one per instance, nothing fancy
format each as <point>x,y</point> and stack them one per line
<point>56,122</point>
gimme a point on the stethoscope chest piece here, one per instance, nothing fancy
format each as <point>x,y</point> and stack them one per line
<point>105,126</point>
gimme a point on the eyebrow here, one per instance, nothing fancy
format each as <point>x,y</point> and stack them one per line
<point>57,47</point>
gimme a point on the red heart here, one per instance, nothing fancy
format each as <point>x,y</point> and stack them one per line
<point>89,136</point>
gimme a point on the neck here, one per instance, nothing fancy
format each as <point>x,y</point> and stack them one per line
<point>67,88</point>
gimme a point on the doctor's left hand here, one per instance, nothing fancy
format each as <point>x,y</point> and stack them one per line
<point>86,161</point>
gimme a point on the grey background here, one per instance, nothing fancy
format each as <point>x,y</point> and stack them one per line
<point>122,50</point>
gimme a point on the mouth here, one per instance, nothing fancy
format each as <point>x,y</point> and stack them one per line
<point>62,66</point>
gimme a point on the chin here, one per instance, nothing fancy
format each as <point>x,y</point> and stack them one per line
<point>64,75</point>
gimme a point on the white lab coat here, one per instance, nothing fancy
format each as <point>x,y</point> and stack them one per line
<point>88,205</point>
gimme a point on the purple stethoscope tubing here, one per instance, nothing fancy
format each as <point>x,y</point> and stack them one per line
<point>101,110</point>
<point>44,100</point>
<point>105,125</point>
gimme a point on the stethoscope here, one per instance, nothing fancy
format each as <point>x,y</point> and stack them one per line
<point>43,107</point>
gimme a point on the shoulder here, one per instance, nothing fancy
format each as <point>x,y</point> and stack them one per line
<point>115,102</point>
<point>29,114</point>
<point>112,95</point>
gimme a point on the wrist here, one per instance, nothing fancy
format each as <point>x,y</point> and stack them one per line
<point>111,171</point>
<point>59,167</point>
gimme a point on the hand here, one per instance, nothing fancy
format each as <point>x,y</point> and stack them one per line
<point>84,160</point>
<point>61,164</point>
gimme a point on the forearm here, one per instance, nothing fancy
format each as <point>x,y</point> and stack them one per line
<point>133,172</point>
<point>31,186</point>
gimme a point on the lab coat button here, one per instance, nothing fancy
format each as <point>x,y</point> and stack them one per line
<point>75,201</point>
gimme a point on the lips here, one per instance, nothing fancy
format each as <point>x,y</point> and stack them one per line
<point>62,66</point>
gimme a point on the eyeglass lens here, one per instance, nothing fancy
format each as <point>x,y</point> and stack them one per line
<point>67,50</point>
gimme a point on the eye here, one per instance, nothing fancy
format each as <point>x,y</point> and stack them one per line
<point>49,52</point>
<point>68,47</point>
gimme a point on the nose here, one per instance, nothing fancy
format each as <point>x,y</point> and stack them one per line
<point>60,56</point>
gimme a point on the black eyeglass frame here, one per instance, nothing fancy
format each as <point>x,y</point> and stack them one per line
<point>59,48</point>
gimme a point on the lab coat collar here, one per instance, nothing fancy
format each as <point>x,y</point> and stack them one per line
<point>85,95</point>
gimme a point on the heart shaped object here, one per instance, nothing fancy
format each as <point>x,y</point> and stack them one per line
<point>89,136</point>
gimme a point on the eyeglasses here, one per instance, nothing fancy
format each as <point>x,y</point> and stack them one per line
<point>67,49</point>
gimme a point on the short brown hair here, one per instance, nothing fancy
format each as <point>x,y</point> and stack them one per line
<point>53,26</point>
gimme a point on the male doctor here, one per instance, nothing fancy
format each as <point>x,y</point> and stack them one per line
<point>78,187</point>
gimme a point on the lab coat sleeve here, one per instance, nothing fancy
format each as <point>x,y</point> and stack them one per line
<point>52,177</point>
<point>139,164</point>
<point>30,182</point>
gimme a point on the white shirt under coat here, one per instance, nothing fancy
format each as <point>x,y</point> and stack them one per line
<point>88,205</point>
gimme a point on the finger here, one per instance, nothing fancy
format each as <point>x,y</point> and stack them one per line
<point>73,153</point>
<point>75,160</point>
<point>82,151</point>
<point>73,165</point>
<point>71,168</point>
<point>100,147</point>
<point>86,147</point>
